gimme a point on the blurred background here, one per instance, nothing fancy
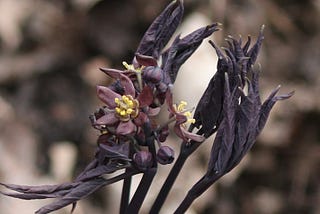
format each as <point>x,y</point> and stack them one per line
<point>50,52</point>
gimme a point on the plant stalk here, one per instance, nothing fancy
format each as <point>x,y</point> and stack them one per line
<point>198,189</point>
<point>185,152</point>
<point>148,175</point>
<point>125,193</point>
<point>141,192</point>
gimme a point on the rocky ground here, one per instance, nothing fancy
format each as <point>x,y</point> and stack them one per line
<point>50,52</point>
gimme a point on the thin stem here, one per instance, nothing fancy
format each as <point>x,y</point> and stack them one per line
<point>166,187</point>
<point>185,152</point>
<point>120,177</point>
<point>145,183</point>
<point>125,193</point>
<point>187,201</point>
<point>141,191</point>
<point>126,186</point>
<point>198,189</point>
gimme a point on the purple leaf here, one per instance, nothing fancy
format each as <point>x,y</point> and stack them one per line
<point>182,49</point>
<point>119,151</point>
<point>254,51</point>
<point>209,109</point>
<point>39,192</point>
<point>98,171</point>
<point>222,147</point>
<point>161,30</point>
<point>82,190</point>
<point>267,106</point>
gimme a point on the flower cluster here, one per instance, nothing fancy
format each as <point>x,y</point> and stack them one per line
<point>130,136</point>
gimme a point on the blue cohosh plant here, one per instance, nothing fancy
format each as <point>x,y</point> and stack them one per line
<point>132,140</point>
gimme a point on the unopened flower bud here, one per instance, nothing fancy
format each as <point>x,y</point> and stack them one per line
<point>162,87</point>
<point>165,155</point>
<point>164,133</point>
<point>152,74</point>
<point>143,159</point>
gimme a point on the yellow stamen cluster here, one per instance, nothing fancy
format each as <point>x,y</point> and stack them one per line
<point>127,107</point>
<point>131,67</point>
<point>181,108</point>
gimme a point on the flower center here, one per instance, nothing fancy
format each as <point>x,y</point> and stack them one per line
<point>127,107</point>
<point>181,108</point>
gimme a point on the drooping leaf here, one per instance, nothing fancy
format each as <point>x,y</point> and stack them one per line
<point>82,190</point>
<point>99,171</point>
<point>119,151</point>
<point>93,164</point>
<point>39,192</point>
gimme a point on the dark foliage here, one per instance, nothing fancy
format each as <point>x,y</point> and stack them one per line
<point>130,136</point>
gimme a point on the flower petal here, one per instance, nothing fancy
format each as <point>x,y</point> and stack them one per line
<point>180,118</point>
<point>153,111</point>
<point>146,60</point>
<point>169,100</point>
<point>107,96</point>
<point>178,130</point>
<point>125,81</point>
<point>192,136</point>
<point>126,128</point>
<point>114,73</point>
<point>145,98</point>
<point>108,119</point>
